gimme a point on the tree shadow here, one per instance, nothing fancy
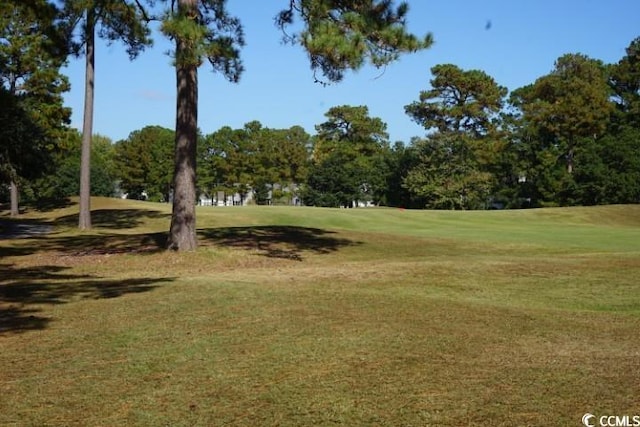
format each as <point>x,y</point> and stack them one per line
<point>24,290</point>
<point>17,228</point>
<point>51,204</point>
<point>285,242</point>
<point>115,219</point>
<point>88,244</point>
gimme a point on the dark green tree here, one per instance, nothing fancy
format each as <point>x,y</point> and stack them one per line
<point>144,163</point>
<point>113,20</point>
<point>357,141</point>
<point>569,104</point>
<point>608,169</point>
<point>33,113</point>
<point>455,162</point>
<point>254,157</point>
<point>458,101</point>
<point>447,175</point>
<point>338,35</point>
<point>335,181</point>
<point>400,159</point>
<point>624,80</point>
<point>62,181</point>
<point>292,154</point>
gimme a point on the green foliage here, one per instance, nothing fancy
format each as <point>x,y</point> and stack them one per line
<point>624,79</point>
<point>31,86</point>
<point>608,169</point>
<point>62,181</point>
<point>570,103</point>
<point>205,29</point>
<point>400,159</point>
<point>348,159</point>
<point>336,181</point>
<point>455,166</point>
<point>447,175</point>
<point>458,101</point>
<point>253,157</point>
<point>116,20</point>
<point>145,163</point>
<point>344,35</point>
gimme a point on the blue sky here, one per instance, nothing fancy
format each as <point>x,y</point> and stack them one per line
<point>277,88</point>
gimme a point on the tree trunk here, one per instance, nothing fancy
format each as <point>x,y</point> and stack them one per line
<point>182,234</point>
<point>84,222</point>
<point>15,209</point>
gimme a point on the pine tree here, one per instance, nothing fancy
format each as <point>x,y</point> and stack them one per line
<point>114,20</point>
<point>338,35</point>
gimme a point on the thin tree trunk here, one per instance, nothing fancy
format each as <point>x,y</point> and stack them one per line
<point>15,209</point>
<point>182,234</point>
<point>84,222</point>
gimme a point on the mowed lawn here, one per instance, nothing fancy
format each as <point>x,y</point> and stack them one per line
<point>306,316</point>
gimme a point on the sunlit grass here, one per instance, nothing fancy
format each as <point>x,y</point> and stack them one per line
<point>302,316</point>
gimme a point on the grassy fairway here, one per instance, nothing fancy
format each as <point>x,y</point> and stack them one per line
<point>303,316</point>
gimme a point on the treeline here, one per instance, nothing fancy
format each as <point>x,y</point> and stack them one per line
<point>572,137</point>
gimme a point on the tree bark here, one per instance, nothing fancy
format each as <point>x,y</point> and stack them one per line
<point>182,234</point>
<point>84,220</point>
<point>13,189</point>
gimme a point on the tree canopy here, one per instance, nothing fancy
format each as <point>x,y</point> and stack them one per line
<point>31,87</point>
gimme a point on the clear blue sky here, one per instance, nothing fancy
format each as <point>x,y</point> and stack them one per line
<point>277,88</point>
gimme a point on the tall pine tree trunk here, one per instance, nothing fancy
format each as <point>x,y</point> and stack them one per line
<point>13,189</point>
<point>182,234</point>
<point>84,222</point>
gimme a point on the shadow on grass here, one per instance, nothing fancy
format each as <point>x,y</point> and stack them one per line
<point>286,242</point>
<point>115,218</point>
<point>23,290</point>
<point>88,244</point>
<point>51,204</point>
<point>11,228</point>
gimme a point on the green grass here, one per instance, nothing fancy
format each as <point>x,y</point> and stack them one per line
<point>303,316</point>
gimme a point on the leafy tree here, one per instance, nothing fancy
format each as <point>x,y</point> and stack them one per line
<point>32,87</point>
<point>291,160</point>
<point>458,101</point>
<point>351,138</point>
<point>608,169</point>
<point>342,35</point>
<point>338,35</point>
<point>455,163</point>
<point>144,162</point>
<point>447,175</point>
<point>624,79</point>
<point>229,159</point>
<point>213,155</point>
<point>253,157</point>
<point>335,181</point>
<point>569,104</point>
<point>113,20</point>
<point>62,182</point>
<point>400,159</point>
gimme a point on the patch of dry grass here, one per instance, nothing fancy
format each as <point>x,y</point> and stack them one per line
<point>320,317</point>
